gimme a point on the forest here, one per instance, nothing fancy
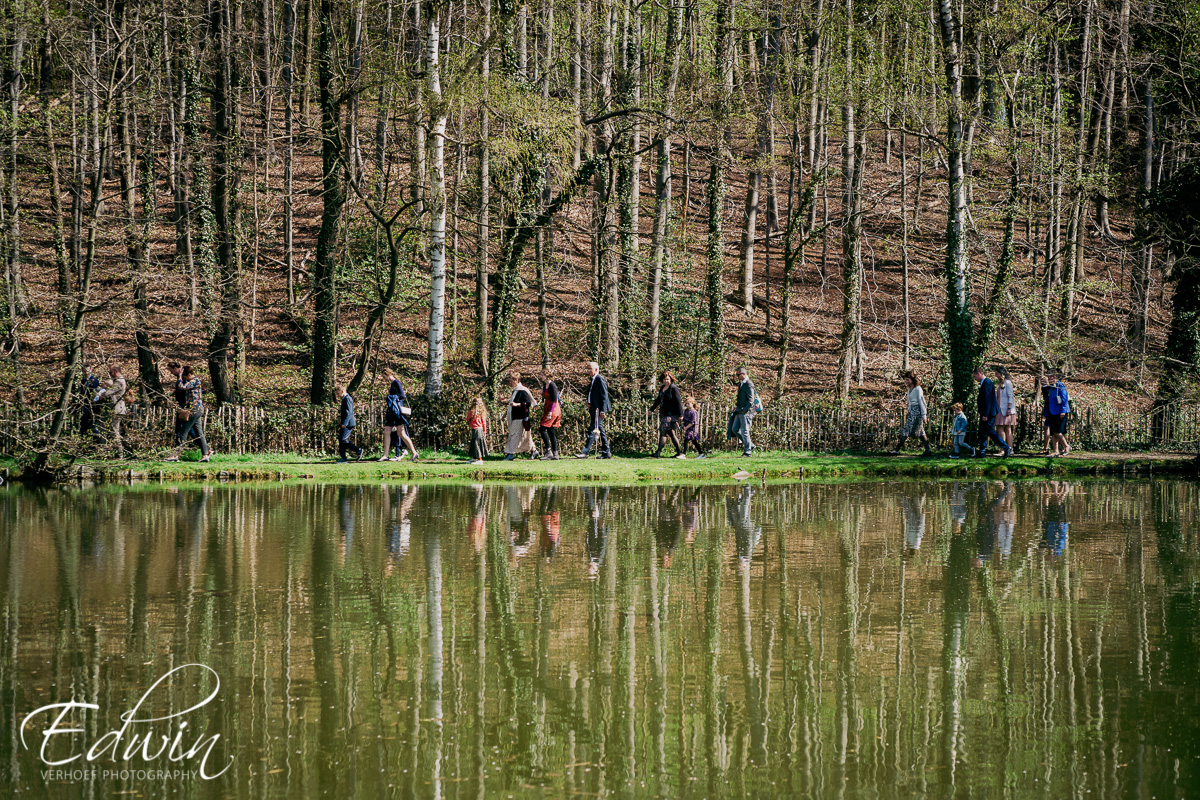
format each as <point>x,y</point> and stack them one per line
<point>291,194</point>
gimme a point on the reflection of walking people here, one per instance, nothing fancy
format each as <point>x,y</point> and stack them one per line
<point>395,420</point>
<point>597,537</point>
<point>669,529</point>
<point>520,440</point>
<point>748,405</point>
<point>746,533</point>
<point>989,410</point>
<point>913,506</point>
<point>918,414</point>
<point>1056,526</point>
<point>670,410</point>
<point>189,418</point>
<point>989,530</point>
<point>551,522</point>
<point>599,405</point>
<point>551,416</point>
<point>346,424</point>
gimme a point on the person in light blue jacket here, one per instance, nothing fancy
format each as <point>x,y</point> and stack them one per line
<point>958,431</point>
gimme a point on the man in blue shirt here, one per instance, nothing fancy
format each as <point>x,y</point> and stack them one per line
<point>1058,406</point>
<point>989,409</point>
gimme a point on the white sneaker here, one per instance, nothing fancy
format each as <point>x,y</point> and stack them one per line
<point>383,458</point>
<point>681,455</point>
<point>476,463</point>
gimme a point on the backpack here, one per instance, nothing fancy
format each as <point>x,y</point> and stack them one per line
<point>393,401</point>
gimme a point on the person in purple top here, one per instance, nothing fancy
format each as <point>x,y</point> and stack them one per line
<point>690,425</point>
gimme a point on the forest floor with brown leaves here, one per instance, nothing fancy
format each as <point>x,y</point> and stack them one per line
<point>1104,368</point>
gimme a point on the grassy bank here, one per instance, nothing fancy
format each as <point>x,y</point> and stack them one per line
<point>620,470</point>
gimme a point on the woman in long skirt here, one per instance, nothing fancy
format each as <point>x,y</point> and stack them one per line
<point>520,439</point>
<point>551,416</point>
<point>395,420</point>
<point>918,414</point>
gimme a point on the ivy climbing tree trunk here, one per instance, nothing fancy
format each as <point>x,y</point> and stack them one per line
<point>960,338</point>
<point>662,193</point>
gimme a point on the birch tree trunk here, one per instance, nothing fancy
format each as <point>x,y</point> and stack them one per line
<point>437,207</point>
<point>849,364</point>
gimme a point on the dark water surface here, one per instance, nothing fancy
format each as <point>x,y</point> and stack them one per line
<point>868,640</point>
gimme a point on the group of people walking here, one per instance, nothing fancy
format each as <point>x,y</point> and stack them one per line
<point>997,415</point>
<point>104,408</point>
<point>679,419</point>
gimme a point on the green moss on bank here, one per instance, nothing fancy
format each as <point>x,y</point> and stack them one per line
<point>619,470</point>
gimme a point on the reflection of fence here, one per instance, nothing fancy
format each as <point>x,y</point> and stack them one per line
<point>308,429</point>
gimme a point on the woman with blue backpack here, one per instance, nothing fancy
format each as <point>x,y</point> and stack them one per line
<point>1058,407</point>
<point>395,420</point>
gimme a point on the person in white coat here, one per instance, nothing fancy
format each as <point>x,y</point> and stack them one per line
<point>520,440</point>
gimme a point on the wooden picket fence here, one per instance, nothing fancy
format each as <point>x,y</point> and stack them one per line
<point>631,427</point>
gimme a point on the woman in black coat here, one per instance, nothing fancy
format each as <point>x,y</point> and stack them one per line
<point>670,408</point>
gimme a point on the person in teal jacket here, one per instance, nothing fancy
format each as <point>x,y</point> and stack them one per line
<point>958,431</point>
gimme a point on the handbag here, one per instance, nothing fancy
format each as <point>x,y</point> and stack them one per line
<point>183,414</point>
<point>405,411</point>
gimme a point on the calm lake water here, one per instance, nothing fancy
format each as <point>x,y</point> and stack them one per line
<point>860,640</point>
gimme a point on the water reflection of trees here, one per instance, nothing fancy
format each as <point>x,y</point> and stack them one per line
<point>715,641</point>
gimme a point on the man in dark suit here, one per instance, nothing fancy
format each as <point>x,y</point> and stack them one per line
<point>346,423</point>
<point>989,409</point>
<point>599,405</point>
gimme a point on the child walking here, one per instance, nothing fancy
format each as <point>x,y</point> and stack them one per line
<point>477,425</point>
<point>690,422</point>
<point>958,432</point>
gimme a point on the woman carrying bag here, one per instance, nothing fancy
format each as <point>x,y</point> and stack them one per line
<point>395,419</point>
<point>520,440</point>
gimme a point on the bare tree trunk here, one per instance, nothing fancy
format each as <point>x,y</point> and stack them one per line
<point>135,245</point>
<point>289,156</point>
<point>324,286</point>
<point>225,208</point>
